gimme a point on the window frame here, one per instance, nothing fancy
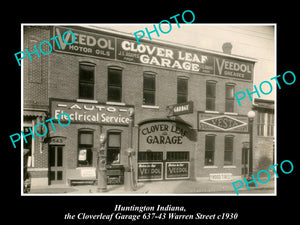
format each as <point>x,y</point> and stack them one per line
<point>88,147</point>
<point>80,82</point>
<point>231,99</point>
<point>210,150</point>
<point>109,86</point>
<point>211,97</point>
<point>149,74</point>
<point>182,94</point>
<point>228,150</point>
<point>113,148</point>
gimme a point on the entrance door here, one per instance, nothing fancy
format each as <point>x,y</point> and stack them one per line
<point>245,156</point>
<point>56,164</point>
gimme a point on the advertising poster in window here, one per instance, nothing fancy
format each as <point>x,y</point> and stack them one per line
<point>177,170</point>
<point>150,171</point>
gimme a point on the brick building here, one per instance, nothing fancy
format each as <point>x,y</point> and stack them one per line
<point>186,122</point>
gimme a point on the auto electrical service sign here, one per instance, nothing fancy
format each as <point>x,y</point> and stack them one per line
<point>90,112</point>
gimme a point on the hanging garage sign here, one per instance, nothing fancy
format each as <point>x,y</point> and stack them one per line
<point>102,45</point>
<point>181,109</point>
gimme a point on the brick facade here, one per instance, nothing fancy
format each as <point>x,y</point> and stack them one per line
<point>56,76</point>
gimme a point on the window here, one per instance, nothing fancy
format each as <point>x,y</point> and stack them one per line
<point>209,150</point>
<point>150,156</point>
<point>86,81</point>
<point>260,123</point>
<point>113,147</point>
<point>182,90</point>
<point>228,150</point>
<point>28,146</point>
<point>229,98</point>
<point>270,131</point>
<point>114,85</point>
<point>85,145</point>
<point>149,89</point>
<point>211,95</point>
<point>177,156</point>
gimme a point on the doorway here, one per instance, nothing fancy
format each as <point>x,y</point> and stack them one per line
<point>56,169</point>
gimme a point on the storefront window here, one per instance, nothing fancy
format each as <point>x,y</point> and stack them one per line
<point>150,156</point>
<point>177,156</point>
<point>182,90</point>
<point>113,148</point>
<point>229,95</point>
<point>85,145</point>
<point>114,85</point>
<point>210,95</point>
<point>149,89</point>
<point>228,151</point>
<point>86,81</point>
<point>209,150</point>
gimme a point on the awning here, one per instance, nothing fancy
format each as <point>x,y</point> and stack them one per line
<point>33,113</point>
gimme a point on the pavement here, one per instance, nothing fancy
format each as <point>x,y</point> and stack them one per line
<point>193,187</point>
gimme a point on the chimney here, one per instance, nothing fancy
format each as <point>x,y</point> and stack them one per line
<point>227,47</point>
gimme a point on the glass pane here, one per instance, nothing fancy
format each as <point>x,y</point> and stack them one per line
<point>229,106</point>
<point>113,156</point>
<point>228,143</point>
<point>59,175</point>
<point>210,90</point>
<point>149,82</point>
<point>149,98</point>
<point>114,94</point>
<point>209,157</point>
<point>210,103</point>
<point>181,98</point>
<point>86,73</point>
<point>52,156</point>
<point>52,175</point>
<point>228,158</point>
<point>59,156</point>
<point>86,139</point>
<point>210,143</point>
<point>114,140</point>
<point>114,77</point>
<point>229,91</point>
<point>86,91</point>
<point>85,157</point>
<point>182,86</point>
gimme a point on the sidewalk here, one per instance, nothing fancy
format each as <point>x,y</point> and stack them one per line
<point>204,186</point>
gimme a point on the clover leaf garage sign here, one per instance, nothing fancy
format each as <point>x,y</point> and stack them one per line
<point>210,122</point>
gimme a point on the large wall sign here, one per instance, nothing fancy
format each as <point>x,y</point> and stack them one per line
<point>100,45</point>
<point>211,122</point>
<point>90,112</point>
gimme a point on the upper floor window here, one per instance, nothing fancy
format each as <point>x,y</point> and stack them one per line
<point>114,85</point>
<point>260,123</point>
<point>182,90</point>
<point>86,81</point>
<point>148,89</point>
<point>229,98</point>
<point>211,95</point>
